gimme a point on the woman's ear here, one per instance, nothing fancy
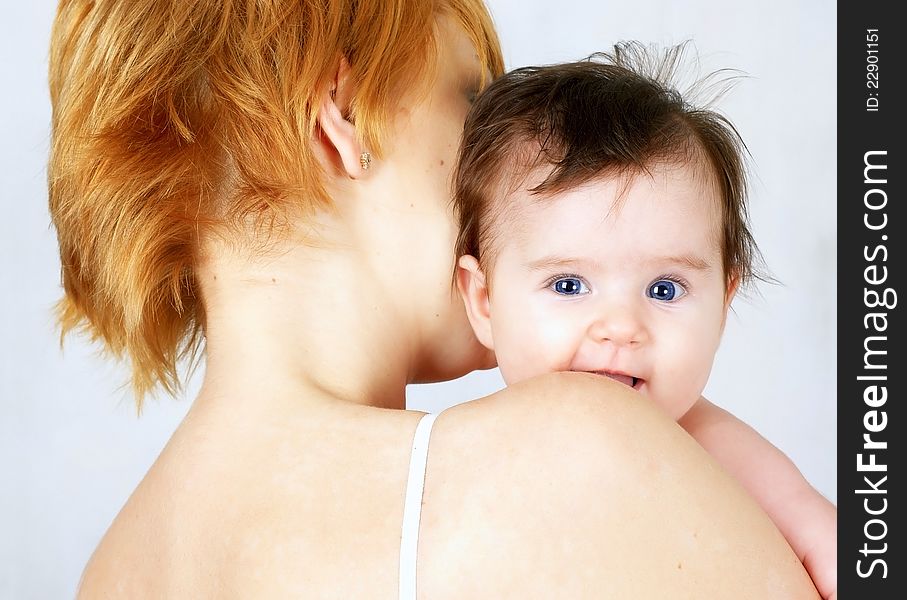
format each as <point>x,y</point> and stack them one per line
<point>339,132</point>
<point>474,291</point>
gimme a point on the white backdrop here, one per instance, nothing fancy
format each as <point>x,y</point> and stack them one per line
<point>71,447</point>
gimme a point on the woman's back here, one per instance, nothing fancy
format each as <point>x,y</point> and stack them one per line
<point>550,489</point>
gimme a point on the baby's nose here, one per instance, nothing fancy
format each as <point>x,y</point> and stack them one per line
<point>618,324</point>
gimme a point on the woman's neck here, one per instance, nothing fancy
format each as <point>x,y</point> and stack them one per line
<point>307,325</point>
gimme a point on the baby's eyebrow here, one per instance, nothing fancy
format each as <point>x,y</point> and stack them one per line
<point>689,261</point>
<point>558,262</point>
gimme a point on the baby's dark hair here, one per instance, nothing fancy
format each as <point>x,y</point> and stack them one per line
<point>613,114</point>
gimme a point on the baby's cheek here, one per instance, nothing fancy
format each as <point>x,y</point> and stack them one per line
<point>532,343</point>
<point>515,368</point>
<point>525,354</point>
<point>683,373</point>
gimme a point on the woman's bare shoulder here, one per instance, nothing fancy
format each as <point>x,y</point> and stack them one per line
<point>575,418</point>
<point>562,394</point>
<point>128,557</point>
<point>574,482</point>
<point>561,423</point>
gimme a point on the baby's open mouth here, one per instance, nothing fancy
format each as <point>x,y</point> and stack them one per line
<point>627,380</point>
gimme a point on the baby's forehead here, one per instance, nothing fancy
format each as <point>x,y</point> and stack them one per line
<point>523,224</point>
<point>572,232</point>
<point>685,184</point>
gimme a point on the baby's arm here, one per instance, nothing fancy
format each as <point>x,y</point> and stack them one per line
<point>807,520</point>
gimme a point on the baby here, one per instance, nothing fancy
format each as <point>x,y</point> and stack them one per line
<point>603,229</point>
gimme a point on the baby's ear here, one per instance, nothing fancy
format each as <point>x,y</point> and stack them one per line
<point>474,291</point>
<point>733,282</point>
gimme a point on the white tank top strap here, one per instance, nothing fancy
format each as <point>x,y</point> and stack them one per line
<point>412,507</point>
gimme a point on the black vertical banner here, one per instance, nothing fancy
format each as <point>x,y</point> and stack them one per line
<point>872,436</point>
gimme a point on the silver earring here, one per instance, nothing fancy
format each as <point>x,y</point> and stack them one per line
<point>365,160</point>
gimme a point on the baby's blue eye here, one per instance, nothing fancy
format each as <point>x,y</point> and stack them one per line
<point>665,290</point>
<point>569,286</point>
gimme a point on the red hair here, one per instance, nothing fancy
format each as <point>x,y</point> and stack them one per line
<point>172,119</point>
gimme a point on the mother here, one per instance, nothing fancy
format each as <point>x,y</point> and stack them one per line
<point>270,179</point>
